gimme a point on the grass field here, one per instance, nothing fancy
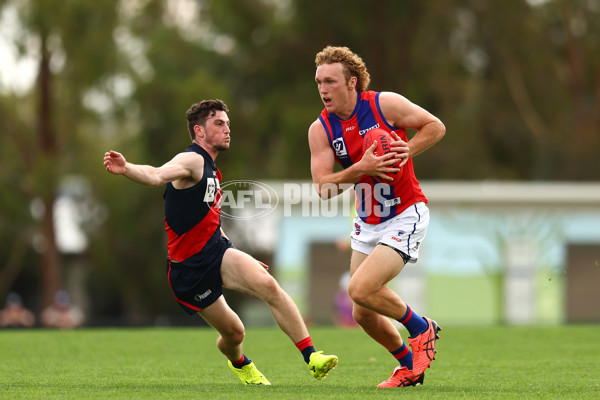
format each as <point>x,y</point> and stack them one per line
<point>183,363</point>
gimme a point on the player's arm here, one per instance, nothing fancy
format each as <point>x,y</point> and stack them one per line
<point>329,183</point>
<point>184,166</point>
<point>402,113</point>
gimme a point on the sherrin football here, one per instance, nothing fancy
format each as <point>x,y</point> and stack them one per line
<point>384,140</point>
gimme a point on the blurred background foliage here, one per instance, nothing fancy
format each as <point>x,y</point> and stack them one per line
<point>517,84</point>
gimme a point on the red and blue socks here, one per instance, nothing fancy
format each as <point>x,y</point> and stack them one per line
<point>241,362</point>
<point>414,323</point>
<point>306,348</point>
<point>404,356</point>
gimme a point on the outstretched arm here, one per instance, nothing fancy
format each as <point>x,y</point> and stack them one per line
<point>184,166</point>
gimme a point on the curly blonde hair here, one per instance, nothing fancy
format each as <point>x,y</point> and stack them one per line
<point>351,62</point>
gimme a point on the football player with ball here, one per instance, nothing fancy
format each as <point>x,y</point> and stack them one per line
<point>365,132</point>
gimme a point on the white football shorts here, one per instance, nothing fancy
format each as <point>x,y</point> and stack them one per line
<point>404,232</point>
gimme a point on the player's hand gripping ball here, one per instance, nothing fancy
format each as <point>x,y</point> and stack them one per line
<point>384,140</point>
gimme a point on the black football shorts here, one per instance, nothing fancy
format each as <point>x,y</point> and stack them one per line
<point>197,282</point>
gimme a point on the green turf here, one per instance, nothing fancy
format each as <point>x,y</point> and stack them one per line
<point>183,363</point>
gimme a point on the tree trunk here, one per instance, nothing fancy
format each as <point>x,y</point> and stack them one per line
<point>50,263</point>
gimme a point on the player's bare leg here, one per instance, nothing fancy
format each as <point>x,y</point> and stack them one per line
<point>229,325</point>
<point>242,272</point>
<point>377,326</point>
<point>375,304</point>
<point>370,275</point>
<point>231,329</point>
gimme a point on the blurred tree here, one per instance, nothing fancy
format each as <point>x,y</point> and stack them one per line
<point>516,84</point>
<point>42,125</point>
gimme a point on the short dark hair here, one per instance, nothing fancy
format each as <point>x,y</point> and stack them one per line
<point>198,113</point>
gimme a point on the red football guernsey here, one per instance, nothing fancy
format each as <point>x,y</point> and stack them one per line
<point>376,201</point>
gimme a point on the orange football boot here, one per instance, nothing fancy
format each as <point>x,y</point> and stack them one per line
<point>423,347</point>
<point>402,377</point>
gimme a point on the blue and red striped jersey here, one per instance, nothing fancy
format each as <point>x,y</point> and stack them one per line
<point>376,201</point>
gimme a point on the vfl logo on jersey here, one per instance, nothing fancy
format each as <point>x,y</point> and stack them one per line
<point>212,184</point>
<point>340,147</point>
